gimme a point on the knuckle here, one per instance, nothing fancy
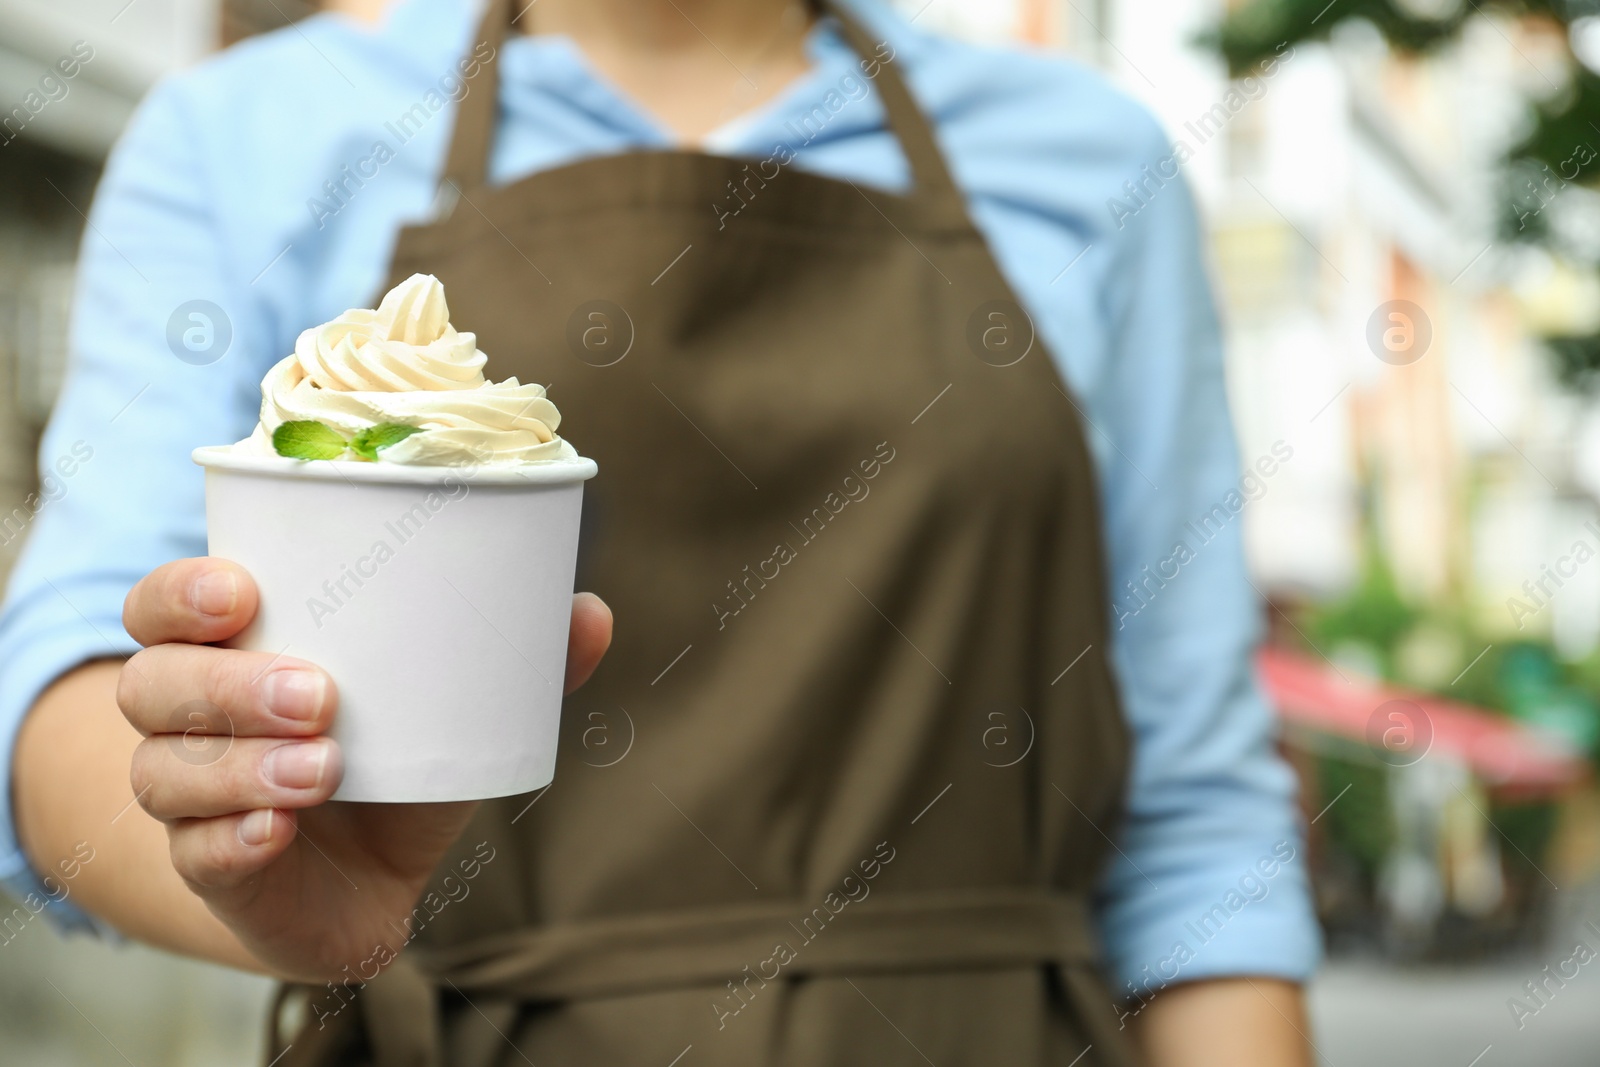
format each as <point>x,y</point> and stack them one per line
<point>172,783</point>
<point>239,779</point>
<point>199,736</point>
<point>178,853</point>
<point>142,774</point>
<point>188,852</point>
<point>160,788</point>
<point>226,680</point>
<point>234,780</point>
<point>219,856</point>
<point>204,855</point>
<point>131,683</point>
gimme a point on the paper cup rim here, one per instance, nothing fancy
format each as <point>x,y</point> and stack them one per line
<point>554,472</point>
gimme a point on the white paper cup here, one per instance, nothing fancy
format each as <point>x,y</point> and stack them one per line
<point>439,600</point>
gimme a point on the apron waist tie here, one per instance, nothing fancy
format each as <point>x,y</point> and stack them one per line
<point>399,1009</point>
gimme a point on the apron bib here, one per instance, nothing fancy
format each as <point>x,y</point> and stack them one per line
<point>839,793</point>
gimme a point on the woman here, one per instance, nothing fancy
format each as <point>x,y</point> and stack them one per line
<point>877,803</point>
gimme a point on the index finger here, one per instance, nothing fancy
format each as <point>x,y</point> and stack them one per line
<point>190,601</point>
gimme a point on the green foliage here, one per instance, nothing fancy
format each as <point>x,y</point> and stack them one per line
<point>1373,614</point>
<point>1564,125</point>
<point>1526,680</point>
<point>1576,361</point>
<point>1360,823</point>
<point>1528,830</point>
<point>1253,31</point>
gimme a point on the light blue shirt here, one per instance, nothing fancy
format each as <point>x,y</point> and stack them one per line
<point>213,194</point>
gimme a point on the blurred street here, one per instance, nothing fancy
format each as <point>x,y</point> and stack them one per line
<point>77,1002</point>
<point>1377,1015</point>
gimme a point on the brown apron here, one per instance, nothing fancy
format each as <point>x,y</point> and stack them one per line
<point>840,791</point>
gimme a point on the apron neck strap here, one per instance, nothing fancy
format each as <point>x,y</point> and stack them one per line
<point>467,165</point>
<point>932,185</point>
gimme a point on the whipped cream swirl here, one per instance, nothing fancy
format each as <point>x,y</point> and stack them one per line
<point>404,363</point>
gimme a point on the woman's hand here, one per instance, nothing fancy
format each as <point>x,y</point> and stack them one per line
<point>237,764</point>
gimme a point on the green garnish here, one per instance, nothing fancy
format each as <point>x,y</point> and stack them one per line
<point>307,439</point>
<point>366,443</point>
<point>310,439</point>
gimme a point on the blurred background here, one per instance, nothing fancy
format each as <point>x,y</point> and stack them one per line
<point>1406,248</point>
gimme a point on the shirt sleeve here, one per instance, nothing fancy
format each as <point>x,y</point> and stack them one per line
<point>158,365</point>
<point>1210,876</point>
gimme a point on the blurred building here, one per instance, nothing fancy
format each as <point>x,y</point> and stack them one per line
<point>70,75</point>
<point>1344,179</point>
<point>1378,321</point>
<point>1381,324</point>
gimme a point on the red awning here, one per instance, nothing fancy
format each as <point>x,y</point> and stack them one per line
<point>1404,725</point>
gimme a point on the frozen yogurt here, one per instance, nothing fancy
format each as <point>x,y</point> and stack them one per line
<point>401,385</point>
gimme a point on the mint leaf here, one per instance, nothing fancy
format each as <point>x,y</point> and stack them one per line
<point>366,443</point>
<point>307,439</point>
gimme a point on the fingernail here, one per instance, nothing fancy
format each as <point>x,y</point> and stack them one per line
<point>297,766</point>
<point>215,593</point>
<point>294,693</point>
<point>256,828</point>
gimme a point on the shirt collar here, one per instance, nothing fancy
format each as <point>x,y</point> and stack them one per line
<point>834,65</point>
<point>436,34</point>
